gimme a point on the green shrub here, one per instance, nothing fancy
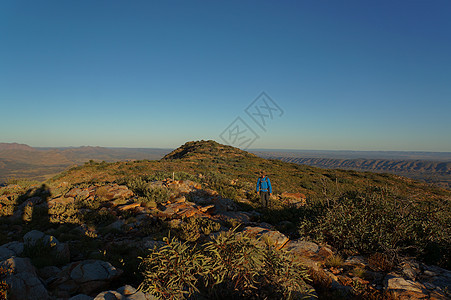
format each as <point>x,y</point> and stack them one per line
<point>382,220</point>
<point>190,229</point>
<point>156,194</point>
<point>64,213</point>
<point>172,270</point>
<point>141,187</point>
<point>43,254</point>
<point>22,182</point>
<point>232,265</point>
<point>335,261</point>
<point>101,217</point>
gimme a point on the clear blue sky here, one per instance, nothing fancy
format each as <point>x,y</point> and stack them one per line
<point>355,75</point>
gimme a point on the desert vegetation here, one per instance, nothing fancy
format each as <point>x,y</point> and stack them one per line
<point>185,226</point>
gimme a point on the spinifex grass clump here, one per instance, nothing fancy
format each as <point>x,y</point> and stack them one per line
<point>231,266</point>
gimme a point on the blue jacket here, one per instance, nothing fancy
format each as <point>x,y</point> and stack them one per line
<point>264,184</point>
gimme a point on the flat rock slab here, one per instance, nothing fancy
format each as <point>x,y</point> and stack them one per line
<point>275,237</point>
<point>300,246</point>
<point>91,270</point>
<point>129,206</point>
<point>404,288</point>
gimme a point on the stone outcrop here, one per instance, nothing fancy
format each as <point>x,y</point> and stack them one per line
<point>23,280</point>
<point>273,237</point>
<point>84,277</point>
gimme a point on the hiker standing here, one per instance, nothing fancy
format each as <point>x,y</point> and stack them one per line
<point>264,187</point>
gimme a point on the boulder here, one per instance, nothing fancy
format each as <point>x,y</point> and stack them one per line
<point>129,206</point>
<point>240,216</point>
<point>73,193</point>
<point>300,247</point>
<point>126,292</point>
<point>6,253</point>
<point>11,249</point>
<point>274,237</point>
<point>23,280</point>
<point>32,237</point>
<point>440,278</point>
<point>113,191</point>
<point>60,201</point>
<point>295,199</point>
<point>38,238</point>
<point>94,270</point>
<point>356,260</point>
<point>109,295</point>
<point>404,287</point>
<point>410,269</point>
<point>48,272</point>
<point>85,277</point>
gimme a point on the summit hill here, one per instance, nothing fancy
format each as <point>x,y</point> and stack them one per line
<point>198,150</point>
<point>359,234</point>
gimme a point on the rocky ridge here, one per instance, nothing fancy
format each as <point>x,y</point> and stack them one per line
<point>130,222</point>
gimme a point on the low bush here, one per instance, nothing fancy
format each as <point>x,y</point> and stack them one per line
<point>43,253</point>
<point>190,229</point>
<point>230,266</point>
<point>381,220</point>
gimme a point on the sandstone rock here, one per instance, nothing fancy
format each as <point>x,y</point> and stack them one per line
<point>34,237</point>
<point>114,191</point>
<point>410,269</point>
<point>224,204</point>
<point>23,280</point>
<point>6,253</point>
<point>240,216</point>
<point>133,294</point>
<point>356,260</point>
<point>207,208</point>
<point>396,283</point>
<point>109,295</point>
<point>48,272</point>
<point>94,270</point>
<point>295,199</point>
<point>438,277</point>
<point>60,201</point>
<point>325,252</point>
<point>129,206</point>
<point>274,237</point>
<point>85,277</point>
<point>117,225</point>
<point>73,193</point>
<point>299,247</point>
<point>126,292</point>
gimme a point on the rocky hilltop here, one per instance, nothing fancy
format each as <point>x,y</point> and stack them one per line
<point>190,226</point>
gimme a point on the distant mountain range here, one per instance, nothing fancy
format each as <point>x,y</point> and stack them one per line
<point>23,161</point>
<point>433,168</point>
<point>39,163</point>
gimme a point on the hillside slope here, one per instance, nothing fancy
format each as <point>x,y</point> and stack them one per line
<point>360,234</point>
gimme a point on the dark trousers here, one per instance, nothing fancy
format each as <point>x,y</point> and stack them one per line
<point>264,198</point>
